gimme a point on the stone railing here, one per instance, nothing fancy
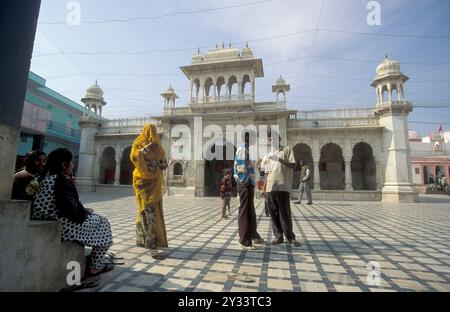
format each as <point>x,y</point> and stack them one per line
<point>359,117</point>
<point>221,98</point>
<point>222,106</point>
<point>177,111</point>
<point>336,114</point>
<point>281,105</point>
<point>127,126</point>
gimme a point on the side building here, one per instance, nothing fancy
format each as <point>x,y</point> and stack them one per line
<point>49,121</point>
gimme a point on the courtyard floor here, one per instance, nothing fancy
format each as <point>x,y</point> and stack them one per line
<point>409,242</point>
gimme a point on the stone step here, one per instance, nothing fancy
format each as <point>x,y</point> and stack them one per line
<point>14,210</point>
<point>33,257</point>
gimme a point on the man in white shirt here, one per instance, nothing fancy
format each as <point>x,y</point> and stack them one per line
<point>278,187</point>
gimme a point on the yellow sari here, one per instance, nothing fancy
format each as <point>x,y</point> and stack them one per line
<point>148,185</point>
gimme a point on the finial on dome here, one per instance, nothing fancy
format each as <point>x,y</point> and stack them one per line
<point>223,44</point>
<point>229,45</point>
<point>386,56</point>
<point>246,44</point>
<point>96,82</point>
<point>217,46</point>
<point>198,50</point>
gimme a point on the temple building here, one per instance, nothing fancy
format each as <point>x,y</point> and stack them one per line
<point>360,154</point>
<point>430,157</point>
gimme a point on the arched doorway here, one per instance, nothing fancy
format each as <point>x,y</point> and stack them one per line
<point>332,168</point>
<point>126,168</point>
<point>303,152</point>
<point>107,166</point>
<point>214,171</point>
<point>363,168</point>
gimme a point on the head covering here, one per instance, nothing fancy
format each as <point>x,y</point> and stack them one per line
<point>147,184</point>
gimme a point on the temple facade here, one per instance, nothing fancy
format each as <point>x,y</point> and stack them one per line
<point>361,154</point>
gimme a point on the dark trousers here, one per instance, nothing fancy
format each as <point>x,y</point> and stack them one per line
<point>247,216</point>
<point>280,213</point>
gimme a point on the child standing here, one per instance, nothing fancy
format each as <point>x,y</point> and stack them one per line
<point>225,193</point>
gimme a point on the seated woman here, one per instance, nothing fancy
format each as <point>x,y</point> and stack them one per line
<point>57,198</point>
<point>34,164</point>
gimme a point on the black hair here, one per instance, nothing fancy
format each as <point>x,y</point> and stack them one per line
<point>55,161</point>
<point>31,158</point>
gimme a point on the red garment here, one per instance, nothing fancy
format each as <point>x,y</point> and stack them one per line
<point>226,188</point>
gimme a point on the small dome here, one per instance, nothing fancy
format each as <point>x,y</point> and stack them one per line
<point>281,81</point>
<point>95,92</point>
<point>414,136</point>
<point>170,89</point>
<point>388,67</point>
<point>197,57</point>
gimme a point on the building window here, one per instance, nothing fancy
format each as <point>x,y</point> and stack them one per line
<point>178,169</point>
<point>417,170</point>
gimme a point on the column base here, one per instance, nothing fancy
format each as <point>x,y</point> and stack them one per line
<point>399,193</point>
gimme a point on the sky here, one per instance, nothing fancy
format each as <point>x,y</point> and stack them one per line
<point>325,49</point>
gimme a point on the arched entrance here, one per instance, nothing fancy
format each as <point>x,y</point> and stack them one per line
<point>107,166</point>
<point>214,171</point>
<point>303,152</point>
<point>126,168</point>
<point>363,168</point>
<point>332,168</point>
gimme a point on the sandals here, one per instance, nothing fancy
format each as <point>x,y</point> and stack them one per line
<point>242,277</point>
<point>106,268</point>
<point>158,255</point>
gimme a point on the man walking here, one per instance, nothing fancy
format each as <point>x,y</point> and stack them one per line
<point>305,177</point>
<point>278,187</point>
<point>244,173</point>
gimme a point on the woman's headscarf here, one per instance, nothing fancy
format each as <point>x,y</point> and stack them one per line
<point>147,184</point>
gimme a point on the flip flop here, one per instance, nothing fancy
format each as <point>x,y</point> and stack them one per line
<point>158,255</point>
<point>242,277</point>
<point>84,285</point>
<point>106,268</point>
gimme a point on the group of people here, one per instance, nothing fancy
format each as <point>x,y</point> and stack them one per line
<point>278,166</point>
<point>48,182</point>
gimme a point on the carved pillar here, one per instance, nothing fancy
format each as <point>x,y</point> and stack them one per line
<point>316,175</point>
<point>316,159</point>
<point>348,175</point>
<point>117,172</point>
<point>379,176</point>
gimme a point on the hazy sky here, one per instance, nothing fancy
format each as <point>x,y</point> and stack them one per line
<point>325,49</point>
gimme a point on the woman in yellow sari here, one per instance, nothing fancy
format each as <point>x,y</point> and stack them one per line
<point>149,160</point>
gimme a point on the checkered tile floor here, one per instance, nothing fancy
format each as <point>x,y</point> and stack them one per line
<point>409,242</point>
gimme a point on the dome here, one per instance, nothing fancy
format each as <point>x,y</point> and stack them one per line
<point>95,92</point>
<point>281,81</point>
<point>94,96</point>
<point>197,57</point>
<point>222,54</point>
<point>388,67</point>
<point>414,136</point>
<point>170,89</point>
